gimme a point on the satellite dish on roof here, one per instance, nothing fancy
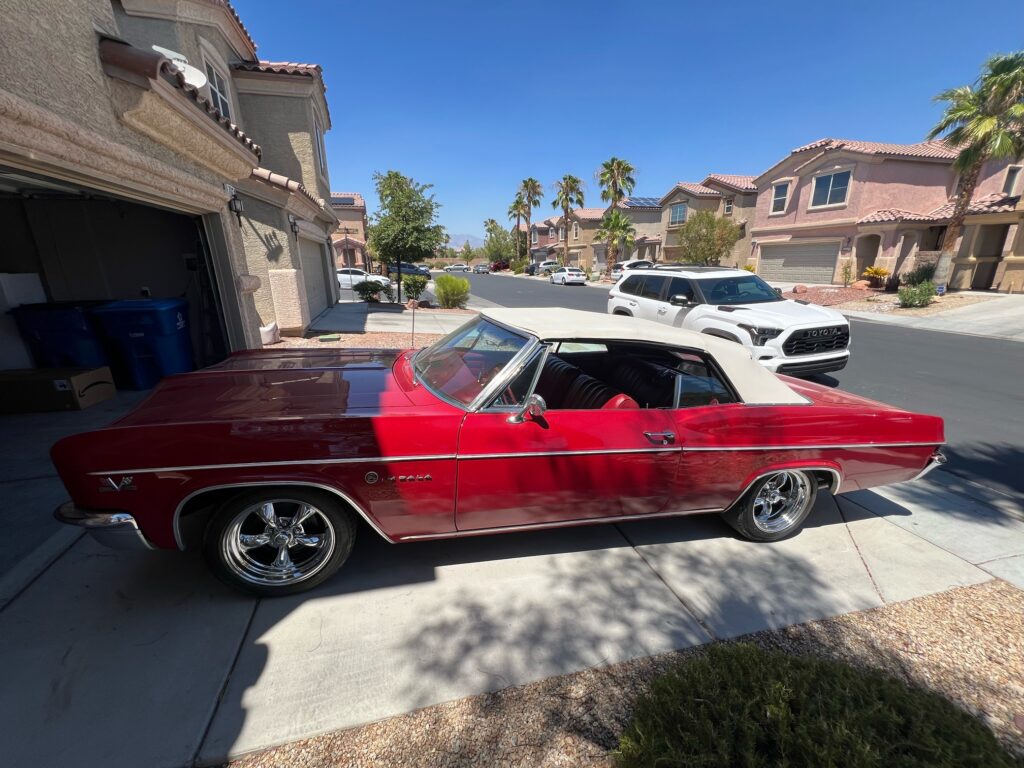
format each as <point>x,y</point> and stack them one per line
<point>193,75</point>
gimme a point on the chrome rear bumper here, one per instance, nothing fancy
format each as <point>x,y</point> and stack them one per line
<point>117,530</point>
<point>936,460</point>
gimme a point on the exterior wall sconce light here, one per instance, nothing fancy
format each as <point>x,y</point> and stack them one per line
<point>293,225</point>
<point>235,204</point>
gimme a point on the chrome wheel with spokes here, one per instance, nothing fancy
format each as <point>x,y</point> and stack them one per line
<point>278,541</point>
<point>775,506</point>
<point>272,543</point>
<point>780,501</point>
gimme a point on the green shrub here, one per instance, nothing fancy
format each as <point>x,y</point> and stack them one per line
<point>414,285</point>
<point>452,292</point>
<point>370,290</point>
<point>922,273</point>
<point>847,274</point>
<point>919,295</point>
<point>737,705</point>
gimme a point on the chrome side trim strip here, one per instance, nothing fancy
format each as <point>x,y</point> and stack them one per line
<point>297,462</point>
<point>241,486</point>
<point>595,452</point>
<point>559,524</point>
<point>804,447</point>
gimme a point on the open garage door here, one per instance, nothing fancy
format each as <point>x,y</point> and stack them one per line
<point>808,263</point>
<point>70,244</point>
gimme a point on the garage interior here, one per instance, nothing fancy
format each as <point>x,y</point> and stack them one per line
<point>67,244</point>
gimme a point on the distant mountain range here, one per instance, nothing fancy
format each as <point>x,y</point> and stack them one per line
<point>457,241</point>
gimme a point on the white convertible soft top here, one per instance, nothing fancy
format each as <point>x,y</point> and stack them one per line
<point>754,384</point>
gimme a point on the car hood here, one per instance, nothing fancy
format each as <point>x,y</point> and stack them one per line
<point>778,314</point>
<point>277,384</point>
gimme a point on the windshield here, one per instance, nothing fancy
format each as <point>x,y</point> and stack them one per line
<point>459,366</point>
<point>742,289</point>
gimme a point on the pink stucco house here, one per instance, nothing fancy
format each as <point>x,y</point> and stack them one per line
<point>835,202</point>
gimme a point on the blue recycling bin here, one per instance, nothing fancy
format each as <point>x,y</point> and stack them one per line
<point>61,334</point>
<point>146,340</point>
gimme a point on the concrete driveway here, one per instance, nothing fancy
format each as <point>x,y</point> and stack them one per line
<point>144,659</point>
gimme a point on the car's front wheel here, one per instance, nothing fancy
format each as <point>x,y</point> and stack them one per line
<point>278,541</point>
<point>775,506</point>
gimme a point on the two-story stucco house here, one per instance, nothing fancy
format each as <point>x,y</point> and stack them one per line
<point>644,213</point>
<point>545,236</point>
<point>147,151</point>
<point>836,202</point>
<point>728,195</point>
<point>349,240</point>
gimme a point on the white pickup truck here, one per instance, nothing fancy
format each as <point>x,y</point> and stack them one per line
<point>784,335</point>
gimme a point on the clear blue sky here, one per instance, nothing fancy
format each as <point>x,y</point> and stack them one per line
<point>474,95</point>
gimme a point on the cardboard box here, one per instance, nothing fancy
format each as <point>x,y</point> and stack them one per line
<point>54,389</point>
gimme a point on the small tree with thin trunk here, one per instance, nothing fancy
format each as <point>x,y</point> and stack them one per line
<point>705,238</point>
<point>615,229</point>
<point>568,195</point>
<point>983,121</point>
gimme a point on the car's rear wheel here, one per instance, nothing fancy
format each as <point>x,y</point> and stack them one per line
<point>278,541</point>
<point>775,506</point>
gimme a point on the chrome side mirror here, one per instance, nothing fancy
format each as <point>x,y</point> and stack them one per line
<point>533,408</point>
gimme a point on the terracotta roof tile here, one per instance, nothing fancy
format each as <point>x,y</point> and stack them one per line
<point>280,68</point>
<point>697,190</point>
<point>238,20</point>
<point>939,150</point>
<point>588,214</point>
<point>994,203</point>
<point>739,183</point>
<point>128,62</point>
<point>283,182</point>
<point>893,214</point>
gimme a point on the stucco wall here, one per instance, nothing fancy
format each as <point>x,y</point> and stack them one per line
<point>269,244</point>
<point>670,247</point>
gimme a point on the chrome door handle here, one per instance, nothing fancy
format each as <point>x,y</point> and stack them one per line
<point>661,438</point>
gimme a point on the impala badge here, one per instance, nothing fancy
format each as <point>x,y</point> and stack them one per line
<point>371,477</point>
<point>125,483</point>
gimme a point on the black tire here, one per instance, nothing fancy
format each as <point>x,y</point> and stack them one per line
<point>331,523</point>
<point>757,525</point>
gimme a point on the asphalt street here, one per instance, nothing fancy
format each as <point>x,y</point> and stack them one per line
<point>974,383</point>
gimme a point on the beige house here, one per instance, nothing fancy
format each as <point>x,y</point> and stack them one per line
<point>645,215</point>
<point>146,151</point>
<point>727,195</point>
<point>676,206</point>
<point>349,240</point>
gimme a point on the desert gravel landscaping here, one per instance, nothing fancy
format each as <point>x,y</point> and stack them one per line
<point>966,644</point>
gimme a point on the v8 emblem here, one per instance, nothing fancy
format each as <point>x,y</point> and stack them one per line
<point>126,483</point>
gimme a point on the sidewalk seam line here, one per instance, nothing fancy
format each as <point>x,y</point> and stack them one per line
<point>686,607</point>
<point>224,686</point>
<point>913,533</point>
<point>856,546</point>
<point>42,571</point>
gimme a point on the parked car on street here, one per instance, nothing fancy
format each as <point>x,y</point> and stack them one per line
<point>568,276</point>
<point>620,267</point>
<point>519,419</point>
<point>499,265</point>
<point>546,267</point>
<point>531,268</point>
<point>351,276</point>
<point>783,335</point>
<point>408,269</point>
<point>481,269</point>
<point>457,268</point>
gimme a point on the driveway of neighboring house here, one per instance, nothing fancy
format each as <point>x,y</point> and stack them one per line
<point>144,659</point>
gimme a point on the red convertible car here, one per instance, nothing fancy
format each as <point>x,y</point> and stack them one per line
<point>519,419</point>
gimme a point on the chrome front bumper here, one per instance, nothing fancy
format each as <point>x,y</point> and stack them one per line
<point>936,461</point>
<point>117,530</point>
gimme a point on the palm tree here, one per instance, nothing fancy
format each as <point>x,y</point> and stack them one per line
<point>615,229</point>
<point>984,121</point>
<point>532,192</point>
<point>616,179</point>
<point>518,210</point>
<point>568,195</point>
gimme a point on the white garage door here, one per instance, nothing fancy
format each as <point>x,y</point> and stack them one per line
<point>313,274</point>
<point>810,263</point>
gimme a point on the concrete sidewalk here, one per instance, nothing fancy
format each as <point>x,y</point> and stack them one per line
<point>144,659</point>
<point>361,317</point>
<point>1000,318</point>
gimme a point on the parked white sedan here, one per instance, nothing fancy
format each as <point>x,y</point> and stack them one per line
<point>457,268</point>
<point>350,276</point>
<point>568,276</point>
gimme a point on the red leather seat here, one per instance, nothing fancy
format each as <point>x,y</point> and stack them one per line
<point>621,401</point>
